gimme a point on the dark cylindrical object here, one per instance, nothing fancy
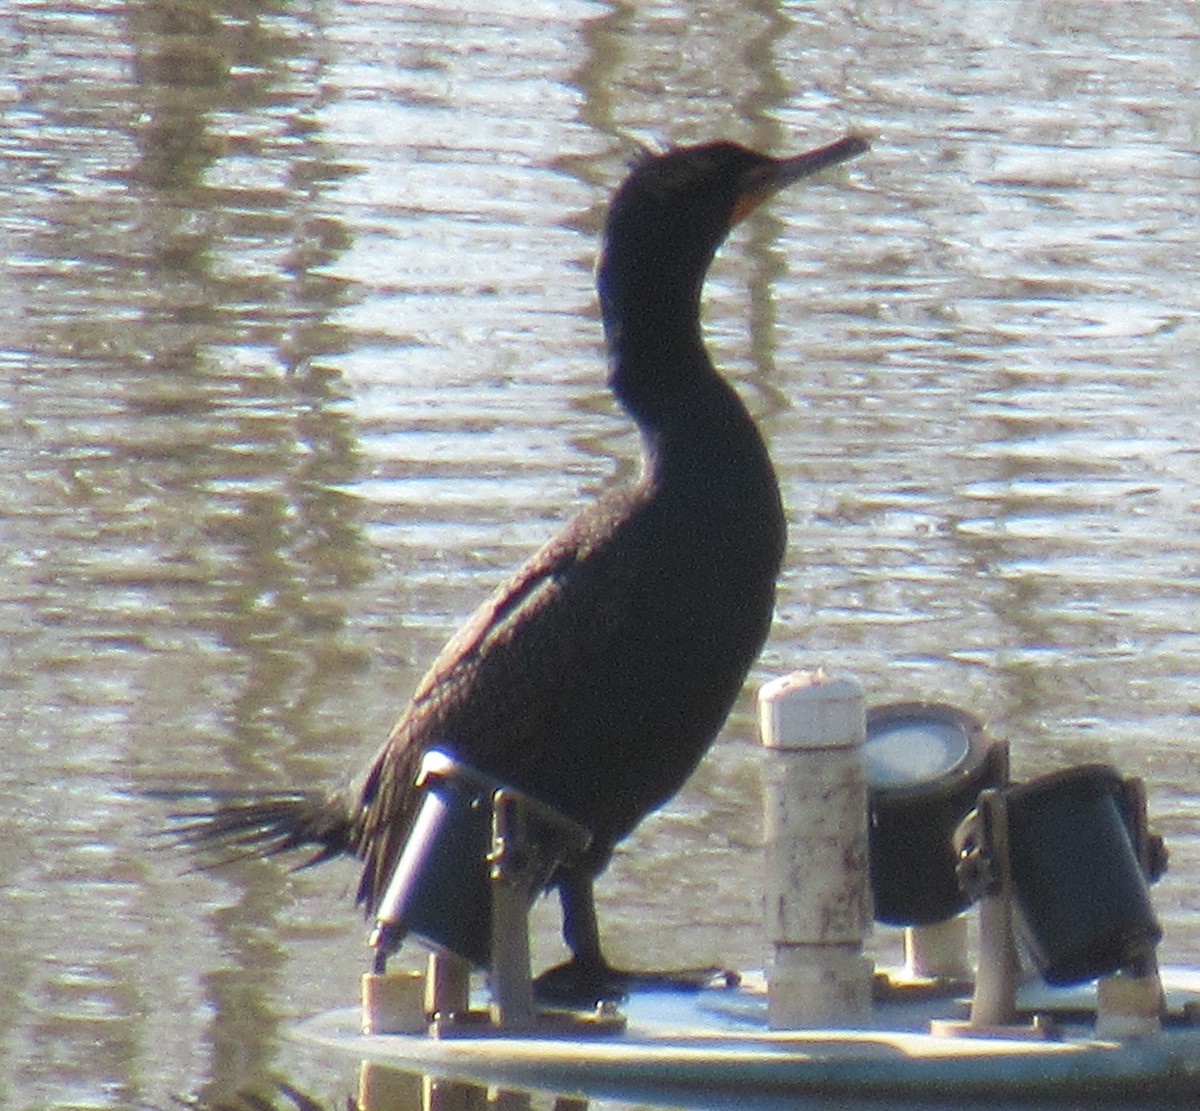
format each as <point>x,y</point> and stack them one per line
<point>440,890</point>
<point>926,764</point>
<point>1082,897</point>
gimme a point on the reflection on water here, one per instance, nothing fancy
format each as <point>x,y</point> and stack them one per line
<point>384,1089</point>
<point>299,358</point>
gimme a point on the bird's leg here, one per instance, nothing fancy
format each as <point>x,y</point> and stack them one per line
<point>586,977</point>
<point>581,931</point>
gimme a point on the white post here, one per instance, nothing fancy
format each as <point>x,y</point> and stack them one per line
<point>1129,1005</point>
<point>817,885</point>
<point>938,951</point>
<point>393,1003</point>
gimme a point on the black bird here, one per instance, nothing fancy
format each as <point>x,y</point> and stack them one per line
<point>600,674</point>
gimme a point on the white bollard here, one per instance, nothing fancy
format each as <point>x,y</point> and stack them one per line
<point>938,951</point>
<point>393,1003</point>
<point>1128,1005</point>
<point>818,910</point>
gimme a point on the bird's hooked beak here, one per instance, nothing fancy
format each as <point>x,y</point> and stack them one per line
<point>776,173</point>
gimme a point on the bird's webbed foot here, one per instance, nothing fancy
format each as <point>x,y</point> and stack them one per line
<point>580,982</point>
<point>584,982</point>
<point>587,978</point>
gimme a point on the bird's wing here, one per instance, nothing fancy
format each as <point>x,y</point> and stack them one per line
<point>496,688</point>
<point>533,588</point>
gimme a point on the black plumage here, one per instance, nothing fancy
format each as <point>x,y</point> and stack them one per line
<point>599,675</point>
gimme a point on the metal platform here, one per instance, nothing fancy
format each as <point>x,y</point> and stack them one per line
<point>709,1047</point>
<point>1056,868</point>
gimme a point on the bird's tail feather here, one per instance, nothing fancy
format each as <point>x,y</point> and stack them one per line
<point>243,826</point>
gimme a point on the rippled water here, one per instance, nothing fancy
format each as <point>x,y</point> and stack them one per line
<point>298,357</point>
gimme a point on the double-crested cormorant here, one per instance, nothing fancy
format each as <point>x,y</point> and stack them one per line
<point>600,674</point>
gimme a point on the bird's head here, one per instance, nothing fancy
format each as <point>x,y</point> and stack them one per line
<point>667,219</point>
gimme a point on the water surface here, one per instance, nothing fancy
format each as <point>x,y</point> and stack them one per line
<point>299,359</point>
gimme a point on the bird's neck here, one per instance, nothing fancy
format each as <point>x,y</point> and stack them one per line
<point>655,373</point>
<point>703,455</point>
<point>650,307</point>
<point>696,433</point>
<point>695,429</point>
<point>656,353</point>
